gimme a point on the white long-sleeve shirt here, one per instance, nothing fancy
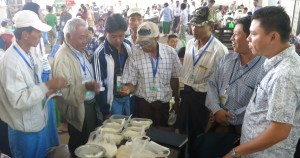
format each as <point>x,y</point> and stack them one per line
<point>206,65</point>
<point>20,96</point>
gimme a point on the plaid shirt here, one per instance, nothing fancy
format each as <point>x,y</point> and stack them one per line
<point>138,69</point>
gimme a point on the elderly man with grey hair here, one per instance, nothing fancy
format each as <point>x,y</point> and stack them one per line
<point>78,102</point>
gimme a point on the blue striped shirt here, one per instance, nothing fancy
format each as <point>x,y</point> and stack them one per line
<point>237,80</point>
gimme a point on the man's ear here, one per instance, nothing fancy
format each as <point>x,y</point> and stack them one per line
<point>25,35</point>
<point>68,37</point>
<point>274,37</point>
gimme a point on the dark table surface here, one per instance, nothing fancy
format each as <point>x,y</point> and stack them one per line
<point>62,150</point>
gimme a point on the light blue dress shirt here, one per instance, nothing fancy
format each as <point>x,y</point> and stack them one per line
<point>237,80</point>
<point>166,15</point>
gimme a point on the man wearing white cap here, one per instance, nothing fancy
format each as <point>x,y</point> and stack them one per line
<point>22,91</point>
<point>155,67</point>
<point>135,19</point>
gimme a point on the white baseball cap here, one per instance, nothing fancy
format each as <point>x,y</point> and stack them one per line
<point>27,18</point>
<point>146,32</point>
<point>135,11</point>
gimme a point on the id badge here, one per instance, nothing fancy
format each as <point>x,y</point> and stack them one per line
<point>119,83</point>
<point>223,98</point>
<point>191,79</point>
<point>153,91</point>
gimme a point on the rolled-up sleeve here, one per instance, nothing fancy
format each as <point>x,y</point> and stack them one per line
<point>212,97</point>
<point>176,65</point>
<point>130,71</point>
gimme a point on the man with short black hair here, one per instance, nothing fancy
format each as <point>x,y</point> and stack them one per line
<point>51,20</point>
<point>172,41</point>
<point>211,3</point>
<point>4,29</point>
<point>166,17</point>
<point>256,7</point>
<point>271,126</point>
<point>64,17</point>
<point>176,19</point>
<point>108,62</point>
<point>231,85</point>
<point>92,44</point>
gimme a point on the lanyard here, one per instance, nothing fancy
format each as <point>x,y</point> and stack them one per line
<point>152,63</point>
<point>29,65</point>
<point>41,50</point>
<point>231,82</point>
<point>121,60</point>
<point>202,53</point>
<point>82,65</point>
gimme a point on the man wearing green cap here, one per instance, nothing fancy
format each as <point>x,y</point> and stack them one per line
<point>202,55</point>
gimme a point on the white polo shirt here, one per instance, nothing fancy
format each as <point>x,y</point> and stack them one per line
<point>206,65</point>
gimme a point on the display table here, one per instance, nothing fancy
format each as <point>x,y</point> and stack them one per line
<point>62,151</point>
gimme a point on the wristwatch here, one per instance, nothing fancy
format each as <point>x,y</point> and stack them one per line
<point>233,154</point>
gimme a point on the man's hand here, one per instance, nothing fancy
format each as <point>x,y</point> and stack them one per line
<point>124,91</point>
<point>106,117</point>
<point>223,117</point>
<point>127,89</point>
<point>175,106</point>
<point>56,83</point>
<point>211,118</point>
<point>50,92</point>
<point>92,86</point>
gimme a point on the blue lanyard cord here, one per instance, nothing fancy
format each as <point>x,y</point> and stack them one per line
<point>202,53</point>
<point>83,66</point>
<point>41,50</point>
<point>156,67</point>
<point>121,60</point>
<point>29,65</point>
<point>231,82</point>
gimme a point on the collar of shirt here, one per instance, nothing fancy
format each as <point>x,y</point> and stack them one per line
<point>249,64</point>
<point>26,55</point>
<point>109,48</point>
<point>160,51</point>
<point>74,50</point>
<point>271,63</point>
<point>209,48</point>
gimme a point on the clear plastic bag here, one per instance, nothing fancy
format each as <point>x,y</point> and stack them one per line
<point>131,134</point>
<point>142,147</point>
<point>172,118</point>
<point>97,138</point>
